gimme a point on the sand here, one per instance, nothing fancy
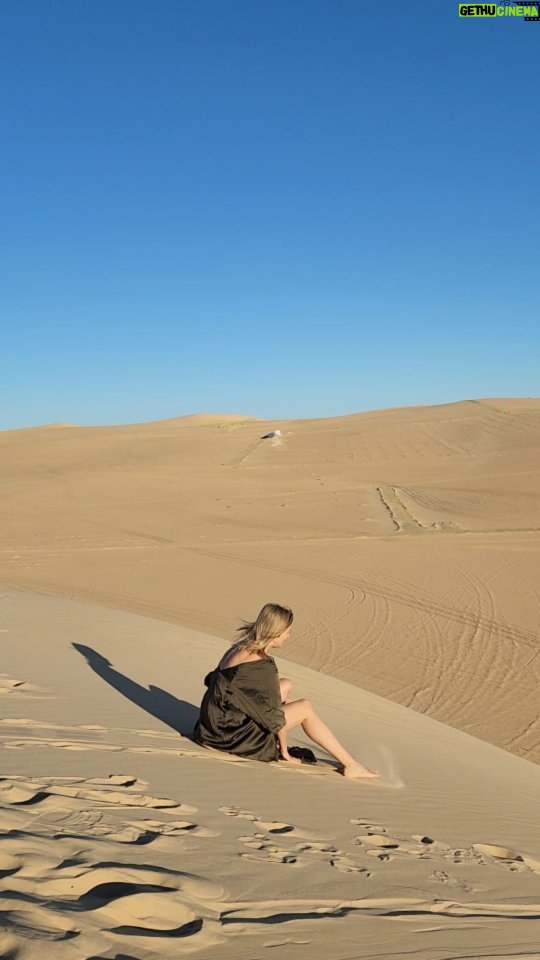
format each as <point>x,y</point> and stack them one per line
<point>120,837</point>
<point>407,543</point>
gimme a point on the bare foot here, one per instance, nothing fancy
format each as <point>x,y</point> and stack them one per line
<point>355,771</point>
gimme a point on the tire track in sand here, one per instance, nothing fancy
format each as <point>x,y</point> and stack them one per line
<point>399,591</point>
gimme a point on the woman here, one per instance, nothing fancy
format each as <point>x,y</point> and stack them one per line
<point>244,709</point>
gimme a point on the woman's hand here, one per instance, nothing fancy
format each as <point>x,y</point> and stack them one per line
<point>282,742</point>
<point>285,755</point>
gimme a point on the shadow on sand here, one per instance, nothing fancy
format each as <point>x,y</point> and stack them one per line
<point>177,714</point>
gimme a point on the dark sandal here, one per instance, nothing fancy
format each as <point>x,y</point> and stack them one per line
<point>303,753</point>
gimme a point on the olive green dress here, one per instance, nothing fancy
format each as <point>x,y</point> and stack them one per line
<point>241,711</point>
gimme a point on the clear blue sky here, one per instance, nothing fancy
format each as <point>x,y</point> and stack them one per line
<point>288,209</point>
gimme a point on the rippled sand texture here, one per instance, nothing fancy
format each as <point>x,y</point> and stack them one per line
<point>407,541</point>
<point>122,839</point>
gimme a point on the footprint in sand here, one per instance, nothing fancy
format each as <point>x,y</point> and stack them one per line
<point>443,877</point>
<point>59,807</point>
<point>516,862</point>
<point>378,840</point>
<point>269,854</point>
<point>93,823</point>
<point>273,827</point>
<point>346,865</point>
<point>367,825</point>
<point>379,844</point>
<point>317,848</point>
<point>58,890</point>
<point>11,687</point>
<point>483,854</point>
<point>237,812</point>
<point>266,845</point>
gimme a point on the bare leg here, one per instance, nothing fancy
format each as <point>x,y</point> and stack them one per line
<point>301,712</point>
<point>285,685</point>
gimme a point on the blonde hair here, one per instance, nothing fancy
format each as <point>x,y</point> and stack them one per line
<point>271,622</point>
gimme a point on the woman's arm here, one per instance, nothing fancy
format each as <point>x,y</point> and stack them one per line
<point>282,740</point>
<point>283,749</point>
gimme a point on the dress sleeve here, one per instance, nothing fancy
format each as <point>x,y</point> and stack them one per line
<point>259,698</point>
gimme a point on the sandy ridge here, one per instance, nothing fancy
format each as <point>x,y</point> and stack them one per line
<point>121,837</point>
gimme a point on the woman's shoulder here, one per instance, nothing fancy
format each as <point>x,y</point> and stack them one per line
<point>233,657</point>
<point>239,658</point>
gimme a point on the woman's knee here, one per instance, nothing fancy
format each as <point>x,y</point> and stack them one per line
<point>298,711</point>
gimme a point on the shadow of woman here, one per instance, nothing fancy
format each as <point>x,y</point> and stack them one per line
<point>177,714</point>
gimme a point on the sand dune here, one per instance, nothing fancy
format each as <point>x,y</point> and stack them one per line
<point>406,540</point>
<point>120,837</point>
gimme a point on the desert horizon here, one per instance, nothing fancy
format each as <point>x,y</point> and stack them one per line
<point>205,416</point>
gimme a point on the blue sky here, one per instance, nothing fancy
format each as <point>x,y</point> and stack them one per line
<point>296,208</point>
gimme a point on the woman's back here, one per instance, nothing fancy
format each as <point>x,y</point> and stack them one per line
<point>236,655</point>
<point>241,711</point>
